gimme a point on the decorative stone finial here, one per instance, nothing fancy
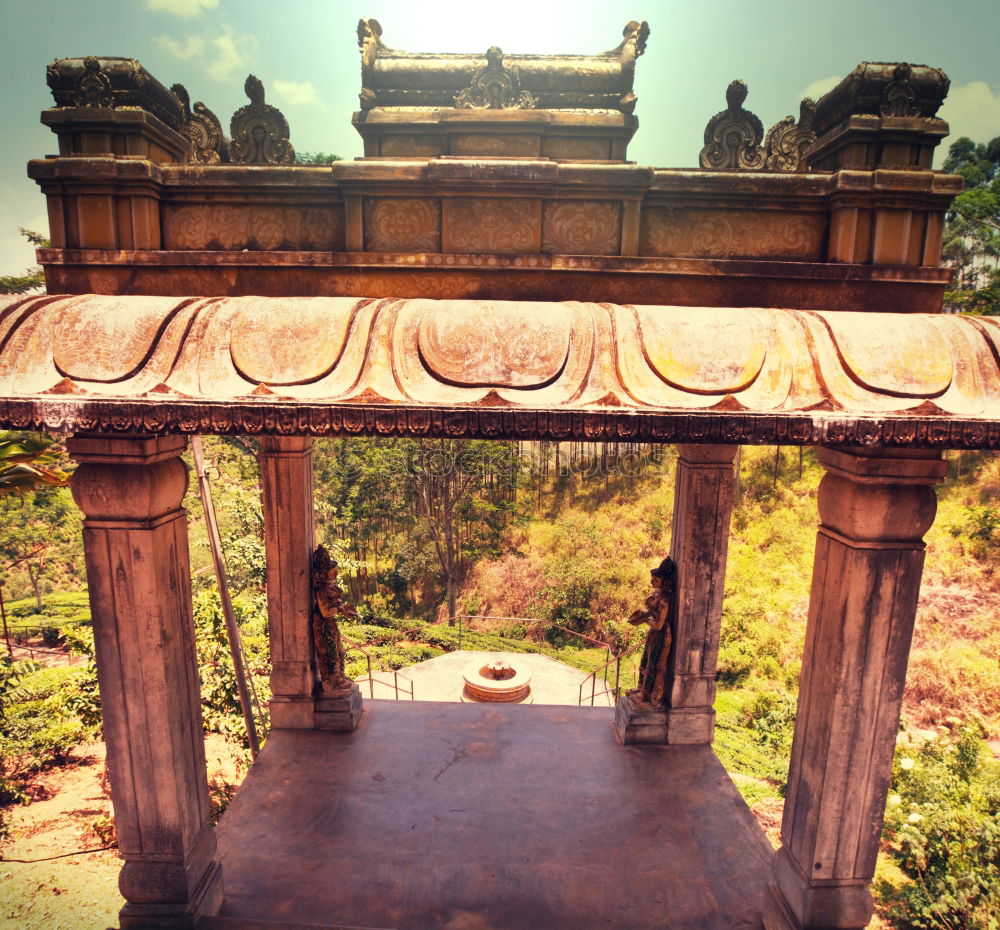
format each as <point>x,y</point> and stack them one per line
<point>733,136</point>
<point>495,87</point>
<point>900,96</point>
<point>259,131</point>
<point>93,89</point>
<point>787,141</point>
<point>203,129</point>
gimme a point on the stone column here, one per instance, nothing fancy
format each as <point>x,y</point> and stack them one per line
<point>130,489</point>
<point>699,543</point>
<point>874,508</point>
<point>286,481</point>
<point>699,546</point>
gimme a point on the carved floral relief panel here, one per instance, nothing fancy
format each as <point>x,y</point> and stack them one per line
<point>581,227</point>
<point>477,224</point>
<point>703,233</point>
<point>235,226</point>
<point>402,224</point>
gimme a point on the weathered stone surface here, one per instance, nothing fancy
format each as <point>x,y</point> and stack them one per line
<point>875,507</point>
<point>286,480</point>
<point>259,131</point>
<point>703,499</point>
<point>202,127</point>
<point>111,83</point>
<point>733,137</point>
<point>882,115</point>
<point>393,78</point>
<point>138,573</point>
<point>632,370</point>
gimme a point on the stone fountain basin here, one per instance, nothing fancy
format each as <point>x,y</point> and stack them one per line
<point>480,686</point>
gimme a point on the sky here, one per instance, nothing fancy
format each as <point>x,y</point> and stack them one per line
<point>306,54</point>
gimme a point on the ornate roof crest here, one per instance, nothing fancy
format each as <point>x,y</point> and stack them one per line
<point>900,95</point>
<point>787,140</point>
<point>495,87</point>
<point>93,89</point>
<point>259,131</point>
<point>202,127</point>
<point>733,136</point>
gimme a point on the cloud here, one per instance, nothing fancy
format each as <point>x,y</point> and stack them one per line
<point>223,56</point>
<point>232,54</point>
<point>297,93</point>
<point>971,110</point>
<point>192,47</point>
<point>820,87</point>
<point>183,8</point>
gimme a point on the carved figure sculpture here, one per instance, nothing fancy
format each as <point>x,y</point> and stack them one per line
<point>328,605</point>
<point>733,136</point>
<point>653,668</point>
<point>259,131</point>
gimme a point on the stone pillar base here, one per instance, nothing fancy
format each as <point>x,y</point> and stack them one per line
<point>339,713</point>
<point>205,902</point>
<point>690,726</point>
<point>777,914</point>
<point>293,713</point>
<point>637,725</point>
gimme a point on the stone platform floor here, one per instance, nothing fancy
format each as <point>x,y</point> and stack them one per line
<point>440,679</point>
<point>475,817</point>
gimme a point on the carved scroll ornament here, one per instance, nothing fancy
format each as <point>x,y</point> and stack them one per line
<point>900,96</point>
<point>203,129</point>
<point>94,87</point>
<point>787,140</point>
<point>495,87</point>
<point>733,136</point>
<point>259,131</point>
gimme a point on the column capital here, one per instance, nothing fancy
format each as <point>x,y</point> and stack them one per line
<point>880,498</point>
<point>707,455</point>
<point>124,449</point>
<point>885,466</point>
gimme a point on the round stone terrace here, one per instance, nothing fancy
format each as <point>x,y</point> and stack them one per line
<point>441,679</point>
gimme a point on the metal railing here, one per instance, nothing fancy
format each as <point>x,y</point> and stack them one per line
<point>371,680</point>
<point>602,672</point>
<point>539,643</point>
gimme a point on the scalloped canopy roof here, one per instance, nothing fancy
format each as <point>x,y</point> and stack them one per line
<point>242,364</point>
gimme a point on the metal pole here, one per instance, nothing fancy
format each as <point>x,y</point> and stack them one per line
<point>6,631</point>
<point>232,627</point>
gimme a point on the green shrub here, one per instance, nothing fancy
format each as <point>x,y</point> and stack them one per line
<point>942,828</point>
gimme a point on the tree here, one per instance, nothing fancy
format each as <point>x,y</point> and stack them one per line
<point>33,279</point>
<point>465,493</point>
<point>316,158</point>
<point>29,462</point>
<point>418,512</point>
<point>972,231</point>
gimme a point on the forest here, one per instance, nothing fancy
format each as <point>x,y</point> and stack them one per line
<point>437,539</point>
